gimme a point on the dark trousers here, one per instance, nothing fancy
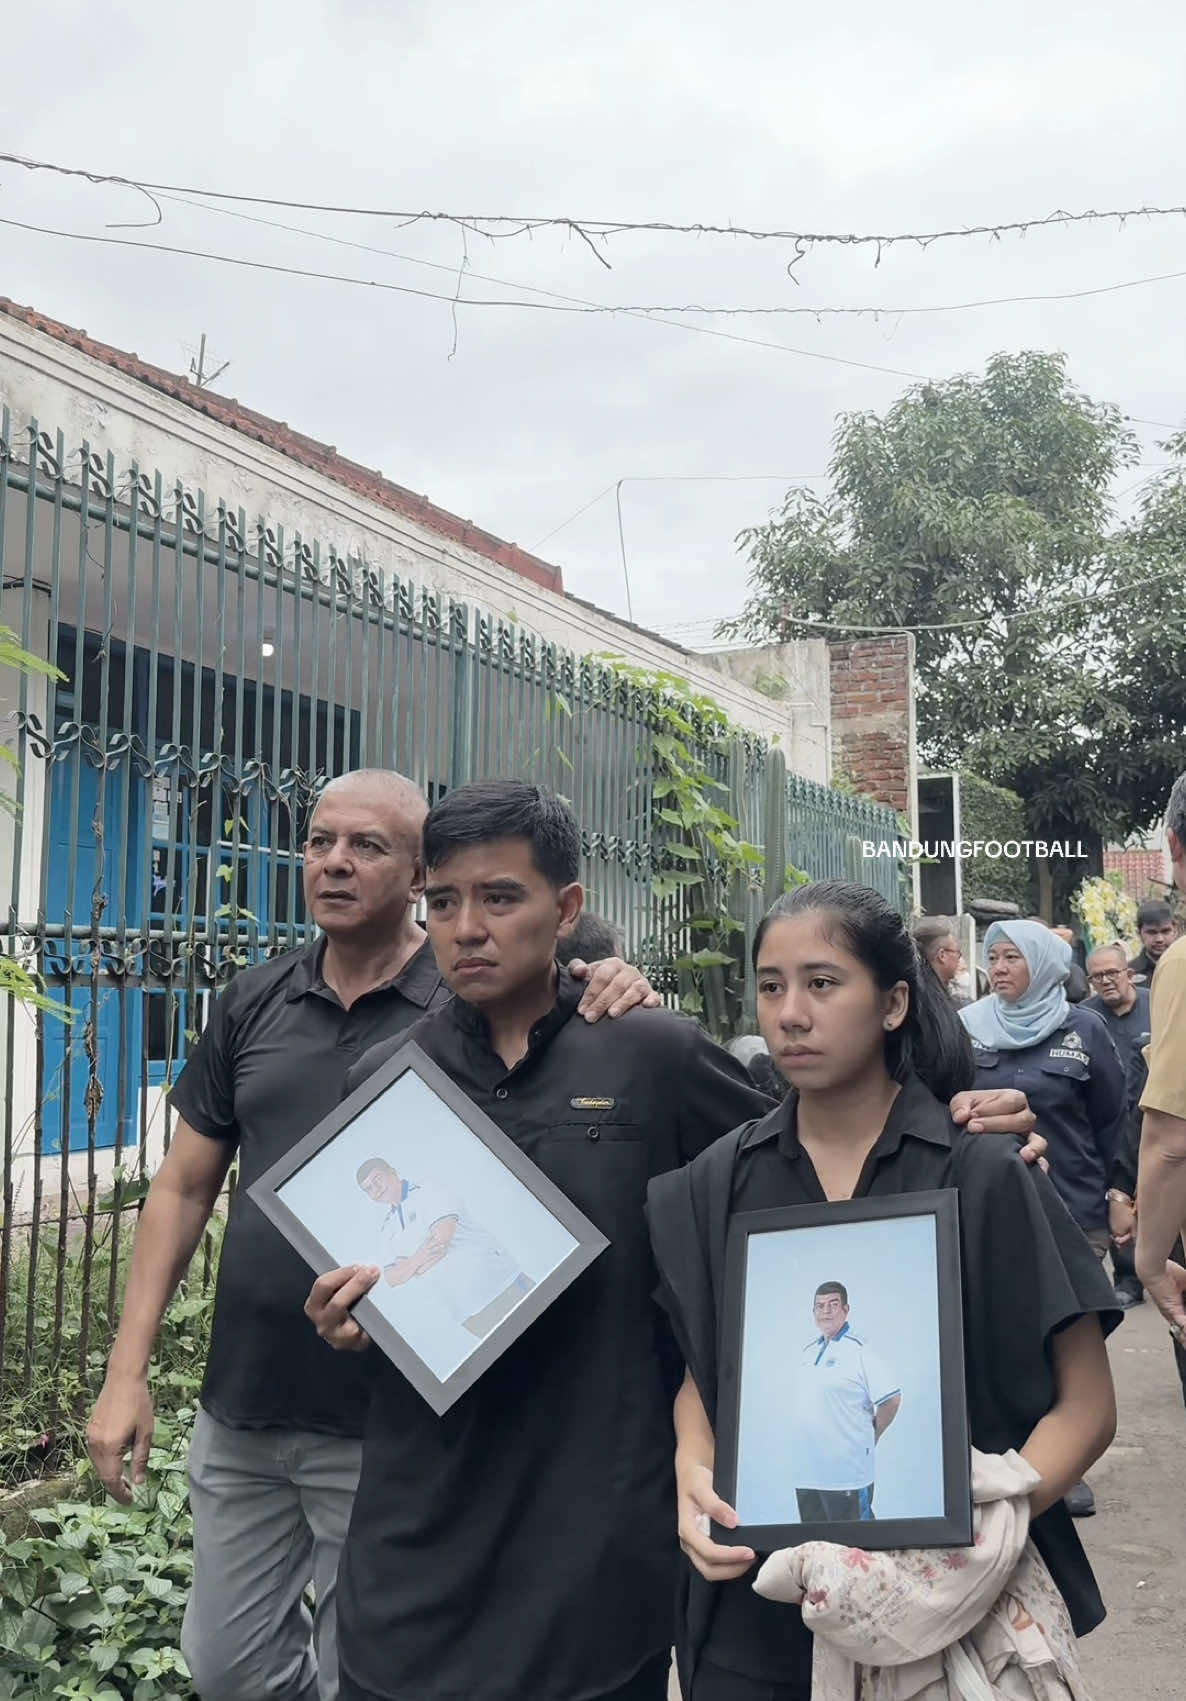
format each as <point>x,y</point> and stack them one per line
<point>1124,1269</point>
<point>835,1505</point>
<point>648,1684</point>
<point>714,1683</point>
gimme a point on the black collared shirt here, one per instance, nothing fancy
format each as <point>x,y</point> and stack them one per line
<point>1027,1273</point>
<point>1077,1089</point>
<point>1144,964</point>
<point>270,1064</point>
<point>749,1634</point>
<point>523,1547</point>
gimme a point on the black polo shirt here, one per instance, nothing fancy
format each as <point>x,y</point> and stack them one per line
<point>1027,1272</point>
<point>271,1063</point>
<point>523,1547</point>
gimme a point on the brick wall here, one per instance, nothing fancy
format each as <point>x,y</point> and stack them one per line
<point>873,717</point>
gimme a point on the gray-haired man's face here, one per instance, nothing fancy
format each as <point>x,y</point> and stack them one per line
<point>831,1314</point>
<point>383,1185</point>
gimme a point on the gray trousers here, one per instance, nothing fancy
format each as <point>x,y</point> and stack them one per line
<point>270,1508</point>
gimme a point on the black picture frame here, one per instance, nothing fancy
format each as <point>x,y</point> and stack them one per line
<point>949,1524</point>
<point>306,1223</point>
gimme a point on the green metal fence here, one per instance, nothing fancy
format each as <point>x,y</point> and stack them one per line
<point>214,673</point>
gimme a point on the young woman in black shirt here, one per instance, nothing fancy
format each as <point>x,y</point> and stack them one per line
<point>873,1049</point>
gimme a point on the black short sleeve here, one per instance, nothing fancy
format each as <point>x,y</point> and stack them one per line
<point>204,1093</point>
<point>1028,1273</point>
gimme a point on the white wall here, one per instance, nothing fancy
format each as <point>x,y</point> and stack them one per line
<point>66,390</point>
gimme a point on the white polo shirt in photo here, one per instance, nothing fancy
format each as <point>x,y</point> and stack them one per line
<point>839,1385</point>
<point>474,1270</point>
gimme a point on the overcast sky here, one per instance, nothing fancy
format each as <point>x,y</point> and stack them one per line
<point>857,117</point>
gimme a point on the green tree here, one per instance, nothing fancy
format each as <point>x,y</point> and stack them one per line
<point>1147,616</point>
<point>977,510</point>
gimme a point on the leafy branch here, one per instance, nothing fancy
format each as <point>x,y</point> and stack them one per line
<point>707,877</point>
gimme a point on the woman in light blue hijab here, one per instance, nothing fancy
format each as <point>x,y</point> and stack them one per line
<point>1032,1006</point>
<point>1027,1034</point>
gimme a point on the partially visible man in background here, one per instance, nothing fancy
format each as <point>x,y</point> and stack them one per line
<point>1124,1006</point>
<point>592,940</point>
<point>1161,1183</point>
<point>1158,930</point>
<point>935,937</point>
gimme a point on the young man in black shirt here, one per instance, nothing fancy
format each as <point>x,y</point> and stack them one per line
<point>522,1547</point>
<point>1158,930</point>
<point>277,1443</point>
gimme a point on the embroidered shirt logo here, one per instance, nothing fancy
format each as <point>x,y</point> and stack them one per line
<point>1072,1041</point>
<point>592,1104</point>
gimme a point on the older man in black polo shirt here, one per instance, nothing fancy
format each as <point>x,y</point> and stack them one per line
<point>522,1547</point>
<point>276,1447</point>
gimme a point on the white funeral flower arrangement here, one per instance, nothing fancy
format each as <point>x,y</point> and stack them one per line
<point>1106,913</point>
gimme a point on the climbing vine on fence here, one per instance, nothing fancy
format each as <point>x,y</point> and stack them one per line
<point>707,878</point>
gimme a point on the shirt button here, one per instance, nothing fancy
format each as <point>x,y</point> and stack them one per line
<point>593,1133</point>
<point>500,1093</point>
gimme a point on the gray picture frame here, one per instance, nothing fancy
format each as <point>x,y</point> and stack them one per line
<point>953,1528</point>
<point>439,1393</point>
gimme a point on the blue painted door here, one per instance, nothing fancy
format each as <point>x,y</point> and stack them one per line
<point>73,847</point>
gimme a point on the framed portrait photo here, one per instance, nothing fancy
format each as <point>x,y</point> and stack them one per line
<point>842,1413</point>
<point>473,1241</point>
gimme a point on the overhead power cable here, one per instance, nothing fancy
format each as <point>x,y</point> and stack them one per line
<point>499,226</point>
<point>577,304</point>
<point>431,295</point>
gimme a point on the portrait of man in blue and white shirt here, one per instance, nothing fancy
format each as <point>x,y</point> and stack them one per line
<point>427,1229</point>
<point>845,1399</point>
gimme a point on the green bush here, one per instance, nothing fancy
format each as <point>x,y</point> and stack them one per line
<point>44,1397</point>
<point>91,1602</point>
<point>92,1593</point>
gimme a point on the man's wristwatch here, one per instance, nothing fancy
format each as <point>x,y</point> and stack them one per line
<point>1115,1197</point>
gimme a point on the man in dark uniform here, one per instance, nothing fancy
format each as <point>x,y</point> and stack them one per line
<point>1076,1087</point>
<point>1158,930</point>
<point>1124,1006</point>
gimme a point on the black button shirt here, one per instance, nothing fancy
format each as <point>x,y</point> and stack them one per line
<point>1027,1272</point>
<point>1076,1087</point>
<point>523,1547</point>
<point>270,1064</point>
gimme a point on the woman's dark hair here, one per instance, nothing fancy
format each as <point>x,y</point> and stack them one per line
<point>932,1041</point>
<point>488,810</point>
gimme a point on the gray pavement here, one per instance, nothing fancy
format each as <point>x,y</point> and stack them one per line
<point>1137,1540</point>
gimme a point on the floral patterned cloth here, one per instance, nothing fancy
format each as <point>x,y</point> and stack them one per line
<point>984,1623</point>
